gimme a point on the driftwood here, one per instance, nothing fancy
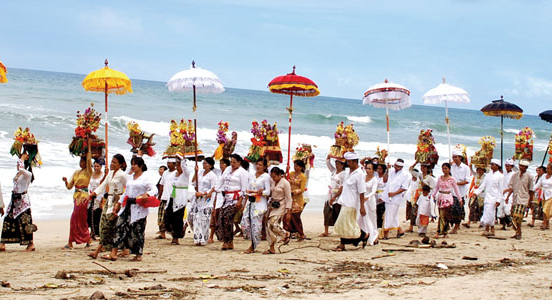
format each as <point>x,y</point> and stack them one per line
<point>384,255</point>
<point>496,238</point>
<point>64,274</point>
<point>396,250</point>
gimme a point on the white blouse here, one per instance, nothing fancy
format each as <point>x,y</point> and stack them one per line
<point>234,185</point>
<point>370,194</point>
<point>179,188</point>
<point>114,185</point>
<point>261,182</point>
<point>545,184</point>
<point>94,184</point>
<point>135,188</point>
<point>206,184</point>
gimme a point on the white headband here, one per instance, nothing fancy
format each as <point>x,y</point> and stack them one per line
<point>399,163</point>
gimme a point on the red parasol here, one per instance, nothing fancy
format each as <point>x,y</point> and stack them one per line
<point>292,84</point>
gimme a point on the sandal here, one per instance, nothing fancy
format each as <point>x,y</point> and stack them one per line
<point>268,252</point>
<point>530,225</point>
<point>339,249</point>
<point>92,255</point>
<point>399,234</point>
<point>67,248</point>
<point>287,239</point>
<point>324,235</point>
<point>136,258</point>
<point>108,257</point>
<point>30,249</point>
<point>466,225</point>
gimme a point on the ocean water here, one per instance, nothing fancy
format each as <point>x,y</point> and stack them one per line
<point>47,103</point>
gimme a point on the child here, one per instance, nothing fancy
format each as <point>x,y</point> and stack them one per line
<point>409,196</point>
<point>425,209</point>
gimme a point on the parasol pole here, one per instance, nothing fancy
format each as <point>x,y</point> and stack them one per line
<point>546,152</point>
<point>448,127</point>
<point>106,124</point>
<point>387,118</point>
<point>289,133</point>
<point>195,128</point>
<point>501,138</point>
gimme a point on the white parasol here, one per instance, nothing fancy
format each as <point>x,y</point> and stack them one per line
<point>388,95</point>
<point>205,82</point>
<point>445,92</point>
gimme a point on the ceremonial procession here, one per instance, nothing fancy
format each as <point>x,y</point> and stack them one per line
<point>290,150</point>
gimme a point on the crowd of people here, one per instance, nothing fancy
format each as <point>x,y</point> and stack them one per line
<point>261,202</point>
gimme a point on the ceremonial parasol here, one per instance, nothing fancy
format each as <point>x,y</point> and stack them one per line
<point>546,116</point>
<point>502,109</point>
<point>108,81</point>
<point>388,95</point>
<point>3,71</point>
<point>445,92</point>
<point>292,84</point>
<point>193,79</point>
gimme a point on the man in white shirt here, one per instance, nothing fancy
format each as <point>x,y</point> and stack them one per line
<point>352,204</point>
<point>165,194</point>
<point>397,181</point>
<point>504,209</point>
<point>493,187</point>
<point>461,172</point>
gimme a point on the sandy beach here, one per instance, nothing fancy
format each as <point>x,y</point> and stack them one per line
<point>504,269</point>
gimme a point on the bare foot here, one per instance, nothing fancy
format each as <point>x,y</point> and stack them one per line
<point>210,241</point>
<point>108,257</point>
<point>269,252</point>
<point>93,255</point>
<point>30,248</point>
<point>137,258</point>
<point>325,234</point>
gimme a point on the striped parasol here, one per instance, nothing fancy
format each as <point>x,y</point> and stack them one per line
<point>293,85</point>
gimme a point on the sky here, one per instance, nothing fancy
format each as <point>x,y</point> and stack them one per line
<point>489,48</point>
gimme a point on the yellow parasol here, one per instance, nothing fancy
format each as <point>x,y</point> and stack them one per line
<point>108,81</point>
<point>3,71</point>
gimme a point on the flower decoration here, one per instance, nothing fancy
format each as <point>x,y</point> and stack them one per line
<point>134,127</point>
<point>87,122</point>
<point>24,136</point>
<point>221,133</point>
<point>345,139</point>
<point>524,144</point>
<point>482,158</point>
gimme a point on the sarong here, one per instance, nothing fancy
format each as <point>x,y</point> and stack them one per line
<point>331,213</point>
<point>518,212</point>
<point>295,225</point>
<point>445,214</point>
<point>161,215</point>
<point>225,226</point>
<point>107,231</point>
<point>413,213</point>
<point>18,230</point>
<point>547,209</point>
<point>391,217</point>
<point>274,229</point>
<point>476,210</point>
<point>94,217</point>
<point>78,227</point>
<point>214,223</point>
<point>380,211</point>
<point>252,223</point>
<point>346,225</point>
<point>174,221</point>
<point>489,212</point>
<point>130,236</point>
<point>457,211</point>
<point>201,220</point>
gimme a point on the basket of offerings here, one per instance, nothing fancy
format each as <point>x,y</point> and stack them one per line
<point>88,123</point>
<point>426,153</point>
<point>139,140</point>
<point>524,144</point>
<point>482,157</point>
<point>345,140</point>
